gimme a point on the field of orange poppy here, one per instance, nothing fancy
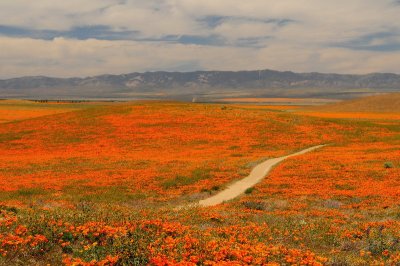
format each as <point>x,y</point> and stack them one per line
<point>99,183</point>
<point>17,110</point>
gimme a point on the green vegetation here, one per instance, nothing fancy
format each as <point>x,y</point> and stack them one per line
<point>388,165</point>
<point>249,190</point>
<point>197,175</point>
<point>8,137</point>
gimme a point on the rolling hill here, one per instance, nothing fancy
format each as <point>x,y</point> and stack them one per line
<point>385,103</point>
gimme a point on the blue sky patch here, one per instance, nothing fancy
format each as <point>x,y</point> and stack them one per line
<point>215,21</point>
<point>379,41</point>
<point>99,32</point>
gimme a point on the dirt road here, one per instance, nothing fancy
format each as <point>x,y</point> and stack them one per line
<point>257,174</point>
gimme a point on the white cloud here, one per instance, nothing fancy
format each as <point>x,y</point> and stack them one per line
<point>306,44</point>
<point>66,57</point>
<point>234,30</point>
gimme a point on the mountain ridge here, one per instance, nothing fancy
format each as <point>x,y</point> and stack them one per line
<point>206,84</point>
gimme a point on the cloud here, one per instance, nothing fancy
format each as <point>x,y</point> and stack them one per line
<point>100,32</point>
<point>71,57</point>
<point>386,41</point>
<point>68,38</point>
<point>216,21</point>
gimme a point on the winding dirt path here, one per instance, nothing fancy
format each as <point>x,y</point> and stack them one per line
<point>257,174</point>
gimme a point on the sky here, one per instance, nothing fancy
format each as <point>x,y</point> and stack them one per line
<point>92,37</point>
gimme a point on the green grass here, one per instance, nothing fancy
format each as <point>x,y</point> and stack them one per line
<point>29,192</point>
<point>180,180</point>
<point>26,195</point>
<point>106,195</point>
<point>71,165</point>
<point>345,187</point>
<point>8,137</point>
<point>75,165</point>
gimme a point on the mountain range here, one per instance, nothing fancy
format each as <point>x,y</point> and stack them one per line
<point>200,85</point>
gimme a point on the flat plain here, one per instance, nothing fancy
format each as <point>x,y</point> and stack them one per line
<point>99,183</point>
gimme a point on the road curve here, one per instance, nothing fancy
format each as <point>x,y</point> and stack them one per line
<point>257,174</point>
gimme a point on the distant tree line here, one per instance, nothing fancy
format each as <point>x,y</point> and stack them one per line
<point>58,101</point>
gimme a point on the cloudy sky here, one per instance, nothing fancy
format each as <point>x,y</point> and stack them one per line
<point>90,37</point>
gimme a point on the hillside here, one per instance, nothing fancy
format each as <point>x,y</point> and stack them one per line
<point>385,103</point>
<point>108,184</point>
<point>201,84</point>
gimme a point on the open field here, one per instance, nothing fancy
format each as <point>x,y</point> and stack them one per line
<point>99,183</point>
<point>380,107</point>
<point>16,110</point>
<point>278,101</point>
<point>384,103</point>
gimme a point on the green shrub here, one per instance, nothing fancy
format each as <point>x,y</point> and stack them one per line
<point>249,190</point>
<point>215,188</point>
<point>253,205</point>
<point>388,165</point>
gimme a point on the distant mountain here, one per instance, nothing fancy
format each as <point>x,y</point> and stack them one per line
<point>201,85</point>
